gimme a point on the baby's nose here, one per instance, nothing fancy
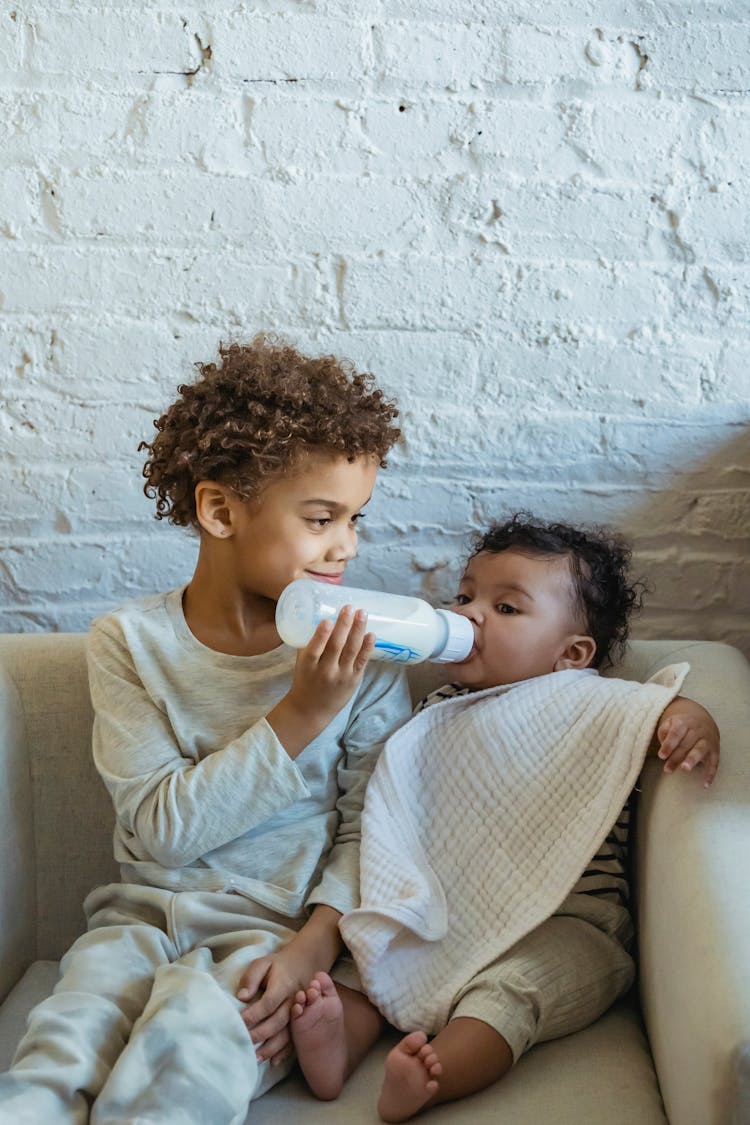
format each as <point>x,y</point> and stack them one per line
<point>470,610</point>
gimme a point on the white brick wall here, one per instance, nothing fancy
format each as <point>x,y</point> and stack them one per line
<point>533,228</point>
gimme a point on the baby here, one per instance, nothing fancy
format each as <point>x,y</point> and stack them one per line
<point>542,598</point>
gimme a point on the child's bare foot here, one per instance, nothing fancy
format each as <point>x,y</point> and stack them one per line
<point>411,1073</point>
<point>317,1028</point>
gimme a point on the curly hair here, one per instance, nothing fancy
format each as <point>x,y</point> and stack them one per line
<point>249,417</point>
<point>599,559</point>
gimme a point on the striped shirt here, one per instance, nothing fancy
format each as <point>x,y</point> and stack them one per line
<point>606,872</point>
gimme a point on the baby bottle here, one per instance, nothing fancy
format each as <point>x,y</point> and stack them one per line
<point>407,630</point>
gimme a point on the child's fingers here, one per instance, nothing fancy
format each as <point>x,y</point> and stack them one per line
<point>340,642</point>
<point>316,646</point>
<point>365,652</point>
<point>277,1046</point>
<point>253,977</point>
<point>273,1003</point>
<point>353,644</point>
<point>273,1025</point>
<point>337,636</point>
<point>348,648</point>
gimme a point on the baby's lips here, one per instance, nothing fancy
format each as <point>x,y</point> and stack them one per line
<point>466,659</point>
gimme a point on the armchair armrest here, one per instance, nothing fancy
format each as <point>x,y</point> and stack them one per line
<point>17,861</point>
<point>693,863</point>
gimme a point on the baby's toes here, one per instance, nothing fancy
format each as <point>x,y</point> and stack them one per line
<point>429,1060</point>
<point>414,1043</point>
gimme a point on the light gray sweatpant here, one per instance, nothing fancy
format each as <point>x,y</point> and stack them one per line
<point>143,1025</point>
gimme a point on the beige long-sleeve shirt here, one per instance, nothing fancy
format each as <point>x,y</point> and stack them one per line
<point>205,796</point>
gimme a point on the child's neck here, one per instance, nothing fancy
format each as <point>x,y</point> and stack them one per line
<point>226,618</point>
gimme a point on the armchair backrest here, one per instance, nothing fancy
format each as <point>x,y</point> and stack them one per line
<point>64,833</point>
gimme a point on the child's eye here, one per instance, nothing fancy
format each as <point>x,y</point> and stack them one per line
<point>320,521</point>
<point>504,607</point>
<point>359,516</point>
<point>461,599</point>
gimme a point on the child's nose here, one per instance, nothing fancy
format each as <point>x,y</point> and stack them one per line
<point>344,545</point>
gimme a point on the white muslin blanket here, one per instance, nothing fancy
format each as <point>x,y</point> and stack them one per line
<point>481,815</point>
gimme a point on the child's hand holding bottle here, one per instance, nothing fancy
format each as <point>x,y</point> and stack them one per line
<point>327,673</point>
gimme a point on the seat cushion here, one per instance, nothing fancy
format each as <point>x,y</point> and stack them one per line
<point>602,1074</point>
<point>36,983</point>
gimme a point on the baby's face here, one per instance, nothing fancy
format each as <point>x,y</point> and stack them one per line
<point>524,616</point>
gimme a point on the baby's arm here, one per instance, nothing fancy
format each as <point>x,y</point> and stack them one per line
<point>687,736</point>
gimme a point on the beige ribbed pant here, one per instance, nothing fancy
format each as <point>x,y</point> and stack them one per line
<point>558,979</point>
<point>143,1025</point>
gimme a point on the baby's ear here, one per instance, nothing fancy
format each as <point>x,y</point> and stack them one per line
<point>579,651</point>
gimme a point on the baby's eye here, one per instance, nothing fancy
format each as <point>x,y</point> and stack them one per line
<point>461,599</point>
<point>504,607</point>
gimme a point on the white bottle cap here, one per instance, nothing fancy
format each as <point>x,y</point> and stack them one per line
<point>460,639</point>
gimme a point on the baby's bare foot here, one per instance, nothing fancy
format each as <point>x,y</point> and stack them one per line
<point>317,1029</point>
<point>411,1073</point>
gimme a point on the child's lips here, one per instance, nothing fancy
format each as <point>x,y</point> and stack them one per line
<point>332,579</point>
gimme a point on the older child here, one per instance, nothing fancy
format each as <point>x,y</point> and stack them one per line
<point>237,768</point>
<point>441,942</point>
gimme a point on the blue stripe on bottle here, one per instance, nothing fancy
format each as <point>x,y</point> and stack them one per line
<point>399,654</point>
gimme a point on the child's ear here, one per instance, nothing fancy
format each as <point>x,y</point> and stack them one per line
<point>579,651</point>
<point>213,507</point>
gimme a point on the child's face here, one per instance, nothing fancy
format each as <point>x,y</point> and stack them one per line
<point>303,525</point>
<point>524,619</point>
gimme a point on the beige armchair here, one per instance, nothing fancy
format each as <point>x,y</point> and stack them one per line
<point>678,1052</point>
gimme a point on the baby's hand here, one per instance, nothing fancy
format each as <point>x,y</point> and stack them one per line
<point>687,738</point>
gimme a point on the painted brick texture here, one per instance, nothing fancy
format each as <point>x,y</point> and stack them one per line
<point>532,224</point>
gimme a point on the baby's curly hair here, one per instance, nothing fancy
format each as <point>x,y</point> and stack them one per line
<point>605,596</point>
<point>249,417</point>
